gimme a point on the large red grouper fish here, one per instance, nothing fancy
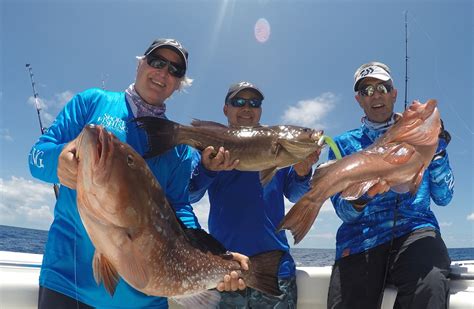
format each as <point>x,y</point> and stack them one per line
<point>138,237</point>
<point>394,161</point>
<point>261,148</point>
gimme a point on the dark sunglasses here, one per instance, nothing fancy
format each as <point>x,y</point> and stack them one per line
<point>239,102</point>
<point>158,62</point>
<point>369,90</point>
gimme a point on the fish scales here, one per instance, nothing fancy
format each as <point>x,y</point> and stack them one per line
<point>137,235</point>
<point>262,148</point>
<point>395,161</point>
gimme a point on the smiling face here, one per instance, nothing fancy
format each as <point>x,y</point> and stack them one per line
<point>156,85</point>
<point>379,106</point>
<point>245,115</point>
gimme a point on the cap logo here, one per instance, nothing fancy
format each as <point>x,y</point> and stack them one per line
<point>366,72</point>
<point>172,43</point>
<point>245,84</point>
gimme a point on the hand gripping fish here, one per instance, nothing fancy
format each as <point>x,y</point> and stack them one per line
<point>138,237</point>
<point>395,161</point>
<point>263,148</point>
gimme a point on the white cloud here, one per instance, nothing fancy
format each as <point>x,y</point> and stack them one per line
<point>470,217</point>
<point>201,210</point>
<point>26,203</point>
<point>5,135</point>
<point>310,113</point>
<point>51,107</point>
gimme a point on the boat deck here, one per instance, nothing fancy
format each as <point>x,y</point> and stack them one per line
<point>19,274</point>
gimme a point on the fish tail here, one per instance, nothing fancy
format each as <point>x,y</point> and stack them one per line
<point>301,216</point>
<point>263,274</point>
<point>161,133</point>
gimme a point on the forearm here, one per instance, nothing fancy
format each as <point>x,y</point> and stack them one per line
<point>43,160</point>
<point>200,181</point>
<point>347,211</point>
<point>296,186</point>
<point>441,180</point>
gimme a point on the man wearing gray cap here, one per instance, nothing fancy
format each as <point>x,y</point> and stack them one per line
<point>66,278</point>
<point>389,238</point>
<point>243,214</point>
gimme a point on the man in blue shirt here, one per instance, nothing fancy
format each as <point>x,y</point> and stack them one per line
<point>389,238</point>
<point>243,214</point>
<point>66,278</point>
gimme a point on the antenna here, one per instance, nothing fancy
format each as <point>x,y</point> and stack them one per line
<point>406,59</point>
<point>38,111</point>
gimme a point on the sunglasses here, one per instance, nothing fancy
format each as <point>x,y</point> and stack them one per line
<point>159,62</point>
<point>369,90</point>
<point>239,102</point>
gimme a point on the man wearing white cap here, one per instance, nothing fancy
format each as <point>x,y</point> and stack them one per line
<point>390,238</point>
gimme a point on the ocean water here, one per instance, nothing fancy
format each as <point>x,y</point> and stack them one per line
<point>33,241</point>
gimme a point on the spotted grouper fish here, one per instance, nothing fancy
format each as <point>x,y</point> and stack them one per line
<point>138,237</point>
<point>262,148</point>
<point>394,161</point>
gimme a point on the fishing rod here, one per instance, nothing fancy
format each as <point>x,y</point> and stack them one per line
<point>38,111</point>
<point>406,59</point>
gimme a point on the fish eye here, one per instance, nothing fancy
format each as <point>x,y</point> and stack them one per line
<point>130,160</point>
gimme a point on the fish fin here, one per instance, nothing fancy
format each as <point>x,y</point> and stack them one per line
<point>399,153</point>
<point>357,190</point>
<point>301,216</point>
<point>267,175</point>
<point>263,272</point>
<point>295,148</point>
<point>204,241</point>
<point>105,272</point>
<point>208,124</point>
<point>202,300</point>
<point>417,180</point>
<point>161,134</point>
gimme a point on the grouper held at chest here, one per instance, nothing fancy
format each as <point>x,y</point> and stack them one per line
<point>396,161</point>
<point>137,236</point>
<point>262,148</point>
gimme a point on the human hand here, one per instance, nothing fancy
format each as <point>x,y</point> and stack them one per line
<point>231,281</point>
<point>443,141</point>
<point>219,162</point>
<point>303,168</point>
<point>67,165</point>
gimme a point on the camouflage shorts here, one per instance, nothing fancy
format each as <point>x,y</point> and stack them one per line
<point>250,298</point>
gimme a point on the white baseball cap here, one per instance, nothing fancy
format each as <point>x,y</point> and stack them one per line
<point>376,70</point>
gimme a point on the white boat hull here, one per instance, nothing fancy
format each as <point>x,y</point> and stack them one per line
<point>19,273</point>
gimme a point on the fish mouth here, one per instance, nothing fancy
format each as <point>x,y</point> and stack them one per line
<point>94,141</point>
<point>316,136</point>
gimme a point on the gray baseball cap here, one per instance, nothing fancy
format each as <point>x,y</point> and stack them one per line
<point>234,89</point>
<point>171,44</point>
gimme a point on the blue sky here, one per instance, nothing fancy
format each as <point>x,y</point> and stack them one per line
<point>305,69</point>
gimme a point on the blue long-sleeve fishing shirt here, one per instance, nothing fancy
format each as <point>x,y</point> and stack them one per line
<point>67,261</point>
<point>244,215</point>
<point>366,229</point>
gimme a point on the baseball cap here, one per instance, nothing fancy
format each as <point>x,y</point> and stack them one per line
<point>234,89</point>
<point>171,44</point>
<point>376,70</point>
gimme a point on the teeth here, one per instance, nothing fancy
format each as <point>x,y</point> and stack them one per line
<point>157,83</point>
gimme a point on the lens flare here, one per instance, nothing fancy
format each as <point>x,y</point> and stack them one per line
<point>262,30</point>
